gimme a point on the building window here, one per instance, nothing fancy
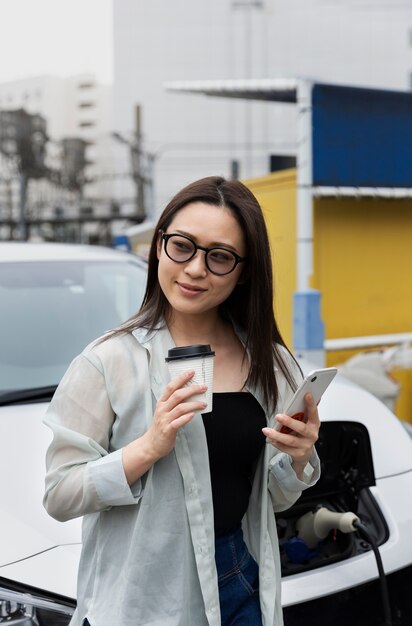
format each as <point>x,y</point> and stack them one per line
<point>86,105</point>
<point>86,85</point>
<point>86,124</point>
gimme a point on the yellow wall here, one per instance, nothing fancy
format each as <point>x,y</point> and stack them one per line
<point>363,268</point>
<point>362,265</point>
<point>276,194</point>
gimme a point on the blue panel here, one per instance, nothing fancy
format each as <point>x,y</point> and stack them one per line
<point>308,327</point>
<point>361,137</point>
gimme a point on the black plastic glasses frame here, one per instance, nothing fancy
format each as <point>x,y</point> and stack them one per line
<point>236,258</point>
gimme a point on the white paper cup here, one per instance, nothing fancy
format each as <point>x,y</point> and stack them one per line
<point>199,358</point>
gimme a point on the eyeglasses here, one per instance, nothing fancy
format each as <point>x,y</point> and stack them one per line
<point>219,261</point>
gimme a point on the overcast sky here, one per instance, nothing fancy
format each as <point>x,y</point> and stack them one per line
<point>58,37</point>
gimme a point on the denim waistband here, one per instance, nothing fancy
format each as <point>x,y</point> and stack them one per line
<point>231,552</point>
<point>219,533</point>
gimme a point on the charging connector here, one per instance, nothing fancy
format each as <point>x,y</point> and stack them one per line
<point>316,525</point>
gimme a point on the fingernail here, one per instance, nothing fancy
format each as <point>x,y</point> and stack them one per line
<point>266,431</point>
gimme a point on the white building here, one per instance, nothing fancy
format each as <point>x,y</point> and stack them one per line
<point>76,106</point>
<point>358,42</point>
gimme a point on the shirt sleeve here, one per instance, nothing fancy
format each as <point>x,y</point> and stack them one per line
<point>82,475</point>
<point>284,486</point>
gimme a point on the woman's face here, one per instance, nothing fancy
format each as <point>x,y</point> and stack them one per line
<point>190,287</point>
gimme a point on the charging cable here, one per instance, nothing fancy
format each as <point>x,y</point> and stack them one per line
<point>364,532</point>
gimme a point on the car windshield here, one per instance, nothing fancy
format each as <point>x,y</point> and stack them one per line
<point>49,311</point>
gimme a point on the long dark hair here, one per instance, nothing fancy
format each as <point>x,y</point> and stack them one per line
<point>250,305</point>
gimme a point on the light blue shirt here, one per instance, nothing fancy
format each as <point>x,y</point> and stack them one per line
<point>148,549</point>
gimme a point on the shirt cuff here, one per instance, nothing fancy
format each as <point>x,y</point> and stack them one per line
<point>109,480</point>
<point>284,473</point>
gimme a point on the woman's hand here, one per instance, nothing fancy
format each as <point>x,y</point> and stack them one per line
<point>174,409</point>
<point>299,443</point>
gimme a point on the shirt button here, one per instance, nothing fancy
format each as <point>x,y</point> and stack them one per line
<point>281,464</point>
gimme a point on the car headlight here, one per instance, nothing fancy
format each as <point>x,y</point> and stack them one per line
<point>24,608</point>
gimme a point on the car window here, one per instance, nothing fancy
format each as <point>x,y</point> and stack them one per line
<point>49,311</point>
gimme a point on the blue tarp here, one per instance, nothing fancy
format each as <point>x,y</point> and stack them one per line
<point>361,137</point>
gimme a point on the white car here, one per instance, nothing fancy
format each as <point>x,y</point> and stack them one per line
<point>54,299</point>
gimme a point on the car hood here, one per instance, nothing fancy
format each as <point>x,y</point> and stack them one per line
<point>27,530</point>
<point>390,443</point>
<point>53,571</point>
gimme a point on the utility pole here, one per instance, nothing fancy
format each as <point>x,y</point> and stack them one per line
<point>248,7</point>
<point>141,164</point>
<point>137,165</point>
<point>22,213</point>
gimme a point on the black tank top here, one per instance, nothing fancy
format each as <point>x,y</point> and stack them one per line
<point>235,441</point>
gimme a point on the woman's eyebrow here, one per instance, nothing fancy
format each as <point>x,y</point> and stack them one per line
<point>216,244</point>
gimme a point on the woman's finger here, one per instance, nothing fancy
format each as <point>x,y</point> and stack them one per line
<point>291,424</point>
<point>178,390</point>
<point>181,421</point>
<point>187,407</point>
<point>176,383</point>
<point>312,410</point>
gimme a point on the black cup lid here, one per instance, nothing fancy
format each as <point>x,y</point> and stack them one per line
<point>189,352</point>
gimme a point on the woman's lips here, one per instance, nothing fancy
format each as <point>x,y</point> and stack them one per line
<point>190,290</point>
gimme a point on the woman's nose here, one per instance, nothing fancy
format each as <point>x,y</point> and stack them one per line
<point>197,265</point>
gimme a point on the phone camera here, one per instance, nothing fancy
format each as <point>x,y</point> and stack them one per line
<point>312,380</point>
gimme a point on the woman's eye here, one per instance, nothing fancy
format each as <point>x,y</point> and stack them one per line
<point>182,246</point>
<point>221,256</point>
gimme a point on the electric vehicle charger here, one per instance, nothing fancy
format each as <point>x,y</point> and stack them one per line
<point>313,527</point>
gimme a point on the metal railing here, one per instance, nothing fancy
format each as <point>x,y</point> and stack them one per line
<point>368,341</point>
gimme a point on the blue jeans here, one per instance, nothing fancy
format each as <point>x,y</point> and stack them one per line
<point>238,580</point>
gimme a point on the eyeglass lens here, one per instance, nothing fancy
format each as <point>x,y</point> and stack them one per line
<point>218,260</point>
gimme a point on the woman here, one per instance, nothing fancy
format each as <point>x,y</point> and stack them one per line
<point>178,525</point>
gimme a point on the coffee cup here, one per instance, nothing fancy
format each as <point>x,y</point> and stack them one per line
<point>199,358</point>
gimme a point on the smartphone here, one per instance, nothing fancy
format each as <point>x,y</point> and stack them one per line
<point>316,382</point>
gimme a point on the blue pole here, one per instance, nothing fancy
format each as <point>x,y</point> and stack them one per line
<point>308,327</point>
